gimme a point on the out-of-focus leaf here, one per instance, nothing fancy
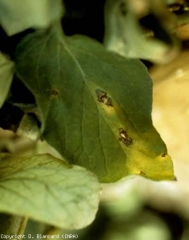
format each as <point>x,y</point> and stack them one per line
<point>15,144</point>
<point>141,226</point>
<point>125,34</point>
<point>16,16</point>
<point>6,75</point>
<point>46,189</point>
<point>95,105</point>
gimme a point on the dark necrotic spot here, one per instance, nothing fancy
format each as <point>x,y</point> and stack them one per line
<point>124,137</point>
<point>164,155</point>
<point>122,7</point>
<point>54,92</point>
<point>142,173</point>
<point>102,97</point>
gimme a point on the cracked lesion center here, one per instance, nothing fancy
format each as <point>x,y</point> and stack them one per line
<point>103,97</point>
<point>124,137</point>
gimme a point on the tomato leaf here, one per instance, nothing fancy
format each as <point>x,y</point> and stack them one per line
<point>95,105</point>
<point>46,189</point>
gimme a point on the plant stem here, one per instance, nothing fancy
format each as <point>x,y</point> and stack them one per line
<point>12,225</point>
<point>23,225</point>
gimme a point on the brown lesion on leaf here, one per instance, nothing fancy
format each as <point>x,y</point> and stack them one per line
<point>103,97</point>
<point>124,137</point>
<point>164,155</point>
<point>142,173</point>
<point>122,7</point>
<point>54,92</point>
<point>175,178</point>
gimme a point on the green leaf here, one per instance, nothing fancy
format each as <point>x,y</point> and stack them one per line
<point>16,16</point>
<point>6,75</point>
<point>95,105</point>
<point>46,189</point>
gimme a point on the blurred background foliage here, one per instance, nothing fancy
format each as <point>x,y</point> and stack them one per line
<point>133,208</point>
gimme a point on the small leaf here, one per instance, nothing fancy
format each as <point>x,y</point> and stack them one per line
<point>16,16</point>
<point>46,189</point>
<point>6,76</point>
<point>95,106</point>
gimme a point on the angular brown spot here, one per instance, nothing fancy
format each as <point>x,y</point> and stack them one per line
<point>164,155</point>
<point>54,92</point>
<point>124,137</point>
<point>102,97</point>
<point>142,173</point>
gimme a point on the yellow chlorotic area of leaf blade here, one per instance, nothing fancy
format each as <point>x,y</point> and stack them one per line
<point>164,164</point>
<point>142,154</point>
<point>46,189</point>
<point>96,106</point>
